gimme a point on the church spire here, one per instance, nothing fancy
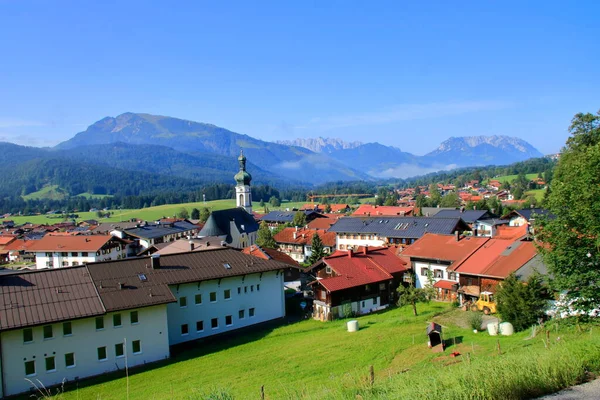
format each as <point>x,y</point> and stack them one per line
<point>243,193</point>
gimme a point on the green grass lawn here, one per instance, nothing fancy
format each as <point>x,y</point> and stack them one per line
<point>510,178</point>
<point>537,193</point>
<point>52,192</point>
<point>315,360</point>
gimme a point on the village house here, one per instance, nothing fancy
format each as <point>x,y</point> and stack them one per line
<point>297,243</point>
<point>353,283</point>
<point>68,324</point>
<point>275,219</point>
<point>69,251</point>
<point>369,210</point>
<point>352,232</point>
<point>471,217</point>
<point>432,257</point>
<point>234,226</point>
<point>161,232</point>
<point>526,216</point>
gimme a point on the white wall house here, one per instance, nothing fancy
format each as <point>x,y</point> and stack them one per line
<point>78,348</point>
<point>423,270</point>
<point>211,307</point>
<point>347,241</point>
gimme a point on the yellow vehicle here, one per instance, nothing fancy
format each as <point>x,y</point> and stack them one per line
<point>485,303</point>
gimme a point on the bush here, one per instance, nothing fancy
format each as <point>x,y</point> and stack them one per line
<point>475,320</point>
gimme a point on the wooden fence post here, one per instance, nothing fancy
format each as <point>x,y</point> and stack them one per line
<point>371,375</point>
<point>262,392</point>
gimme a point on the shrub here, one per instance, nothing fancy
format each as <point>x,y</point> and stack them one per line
<point>475,320</point>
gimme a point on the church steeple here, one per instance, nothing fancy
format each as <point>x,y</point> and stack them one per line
<point>243,193</point>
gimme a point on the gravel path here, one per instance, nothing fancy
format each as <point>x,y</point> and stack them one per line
<point>587,391</point>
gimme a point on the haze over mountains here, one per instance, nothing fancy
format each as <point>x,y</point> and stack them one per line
<point>204,153</point>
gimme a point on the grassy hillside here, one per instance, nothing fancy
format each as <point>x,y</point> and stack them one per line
<point>510,178</point>
<point>52,192</point>
<point>316,360</point>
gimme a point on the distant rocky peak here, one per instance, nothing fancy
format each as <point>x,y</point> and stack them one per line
<point>320,144</point>
<point>498,141</point>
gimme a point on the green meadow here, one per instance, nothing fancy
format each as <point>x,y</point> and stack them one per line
<point>321,360</point>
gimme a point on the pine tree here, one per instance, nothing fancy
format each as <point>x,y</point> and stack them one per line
<point>318,250</point>
<point>265,238</point>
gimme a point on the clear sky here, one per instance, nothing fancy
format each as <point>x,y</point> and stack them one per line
<point>407,74</point>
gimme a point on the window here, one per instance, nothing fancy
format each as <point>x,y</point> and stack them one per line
<point>363,304</point>
<point>258,287</point>
<point>328,269</point>
<point>214,323</point>
<point>184,329</point>
<point>374,301</point>
<point>228,320</point>
<point>117,323</point>
<point>48,254</point>
<point>101,353</point>
<point>48,332</point>
<point>213,297</point>
<point>74,254</point>
<point>241,314</point>
<point>70,360</point>
<point>438,273</point>
<point>382,286</point>
<point>64,254</point>
<point>323,295</point>
<point>29,368</point>
<point>119,350</point>
<point>227,294</point>
<point>239,290</point>
<point>134,317</point>
<point>136,347</point>
<point>424,271</point>
<point>199,326</point>
<point>67,329</point>
<point>452,276</point>
<point>245,289</point>
<point>27,335</point>
<point>252,288</point>
<point>99,323</point>
<point>84,254</point>
<point>251,312</point>
<point>65,263</point>
<point>50,364</point>
<point>469,281</point>
<point>183,302</point>
<point>198,299</point>
<point>75,263</point>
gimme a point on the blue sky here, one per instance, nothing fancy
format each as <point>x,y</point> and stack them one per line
<point>403,74</point>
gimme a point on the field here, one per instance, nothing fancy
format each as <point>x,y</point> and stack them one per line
<point>537,193</point>
<point>510,178</point>
<point>315,360</point>
<point>52,192</point>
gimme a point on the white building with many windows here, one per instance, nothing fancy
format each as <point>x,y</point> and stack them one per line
<point>71,323</point>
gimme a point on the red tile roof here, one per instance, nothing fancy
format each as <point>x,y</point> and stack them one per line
<point>510,232</point>
<point>450,285</point>
<point>367,209</point>
<point>304,236</point>
<point>362,269</point>
<point>497,258</point>
<point>71,243</point>
<point>20,244</point>
<point>4,240</point>
<point>444,247</point>
<point>270,254</point>
<point>321,223</point>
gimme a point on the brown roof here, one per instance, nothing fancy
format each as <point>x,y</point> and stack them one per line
<point>322,223</point>
<point>304,236</point>
<point>270,254</point>
<point>368,209</point>
<point>42,297</point>
<point>434,246</point>
<point>71,243</point>
<point>174,269</point>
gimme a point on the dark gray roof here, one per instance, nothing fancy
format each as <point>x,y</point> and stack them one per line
<point>43,297</point>
<point>286,216</point>
<point>174,269</point>
<point>527,213</point>
<point>111,226</point>
<point>431,211</point>
<point>493,221</point>
<point>219,223</point>
<point>536,264</point>
<point>398,227</point>
<point>153,231</point>
<point>469,216</point>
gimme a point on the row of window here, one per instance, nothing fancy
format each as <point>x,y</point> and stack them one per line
<point>213,295</point>
<point>50,362</point>
<point>66,254</point>
<point>214,322</point>
<point>67,327</point>
<point>355,236</point>
<point>439,274</point>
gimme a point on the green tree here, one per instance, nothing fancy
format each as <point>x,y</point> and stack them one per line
<point>317,248</point>
<point>274,201</point>
<point>434,195</point>
<point>328,208</point>
<point>517,193</point>
<point>195,213</point>
<point>265,238</point>
<point>183,213</point>
<point>450,200</point>
<point>521,304</point>
<point>413,295</point>
<point>204,214</point>
<point>299,219</point>
<point>262,203</point>
<point>572,239</point>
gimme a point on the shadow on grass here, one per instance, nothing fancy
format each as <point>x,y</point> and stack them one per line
<point>453,341</point>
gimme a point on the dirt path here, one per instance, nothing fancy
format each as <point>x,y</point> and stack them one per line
<point>587,391</point>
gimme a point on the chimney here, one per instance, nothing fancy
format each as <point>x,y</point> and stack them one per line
<point>191,242</point>
<point>365,249</point>
<point>155,261</point>
<point>457,235</point>
<point>296,227</point>
<point>295,234</point>
<point>349,253</point>
<point>120,286</point>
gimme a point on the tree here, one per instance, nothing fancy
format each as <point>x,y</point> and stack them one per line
<point>521,304</point>
<point>412,295</point>
<point>517,193</point>
<point>274,201</point>
<point>183,213</point>
<point>317,249</point>
<point>204,214</point>
<point>195,213</point>
<point>572,239</point>
<point>262,203</point>
<point>299,219</point>
<point>434,195</point>
<point>264,237</point>
<point>327,208</point>
<point>450,200</point>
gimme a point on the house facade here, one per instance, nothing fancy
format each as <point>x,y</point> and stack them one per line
<point>297,243</point>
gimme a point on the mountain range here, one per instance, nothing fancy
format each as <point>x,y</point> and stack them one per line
<point>199,153</point>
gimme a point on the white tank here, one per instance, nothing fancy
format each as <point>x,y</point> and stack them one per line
<point>492,328</point>
<point>352,325</point>
<point>506,329</point>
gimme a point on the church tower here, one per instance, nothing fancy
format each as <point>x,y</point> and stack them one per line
<point>243,193</point>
